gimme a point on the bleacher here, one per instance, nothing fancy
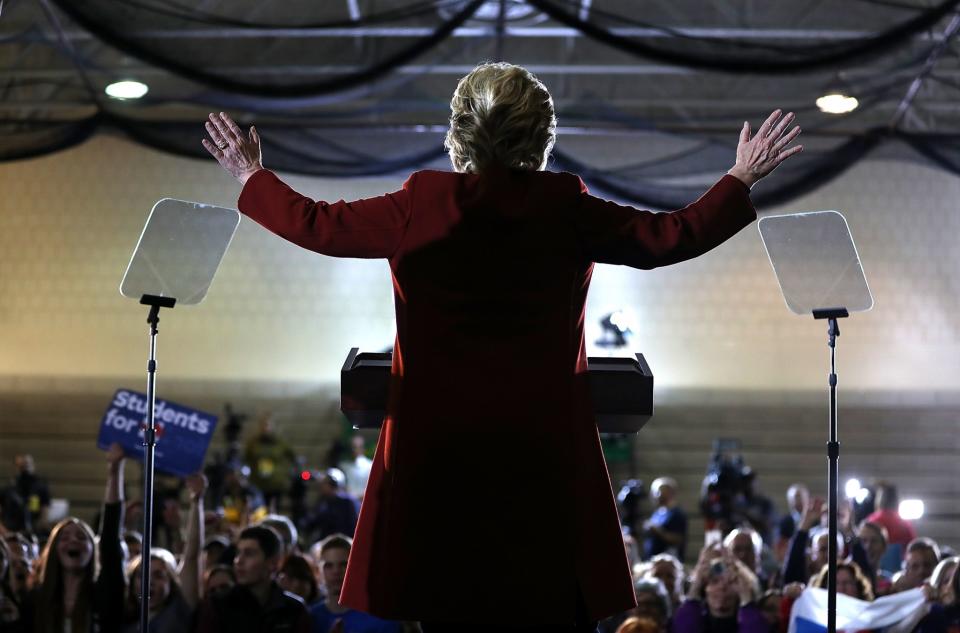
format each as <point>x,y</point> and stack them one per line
<point>913,445</point>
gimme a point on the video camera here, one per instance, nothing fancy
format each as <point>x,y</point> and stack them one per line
<point>721,494</point>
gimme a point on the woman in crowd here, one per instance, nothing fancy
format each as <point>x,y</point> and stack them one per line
<point>867,550</point>
<point>721,597</point>
<point>299,577</point>
<point>668,569</point>
<point>174,594</point>
<point>942,581</point>
<point>653,603</point>
<point>851,581</point>
<point>75,589</point>
<point>218,580</point>
<point>943,592</point>
<point>634,624</point>
<point>495,260</point>
<point>170,610</point>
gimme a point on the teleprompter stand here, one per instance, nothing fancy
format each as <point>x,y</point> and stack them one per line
<point>150,446</point>
<point>819,272</point>
<point>174,262</point>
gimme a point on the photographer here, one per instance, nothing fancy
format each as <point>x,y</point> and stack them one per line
<point>666,529</point>
<point>721,597</point>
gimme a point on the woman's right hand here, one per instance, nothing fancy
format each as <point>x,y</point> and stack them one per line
<point>760,155</point>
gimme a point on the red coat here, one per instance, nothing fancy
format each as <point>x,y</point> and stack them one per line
<point>489,495</point>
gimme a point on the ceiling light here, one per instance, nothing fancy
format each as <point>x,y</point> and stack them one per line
<point>911,509</point>
<point>837,103</point>
<point>126,90</point>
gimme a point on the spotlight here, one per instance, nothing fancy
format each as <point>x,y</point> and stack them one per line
<point>852,488</point>
<point>911,509</point>
<point>126,89</point>
<point>836,103</point>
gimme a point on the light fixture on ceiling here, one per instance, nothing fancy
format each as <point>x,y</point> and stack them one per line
<point>837,103</point>
<point>126,89</point>
<point>836,97</point>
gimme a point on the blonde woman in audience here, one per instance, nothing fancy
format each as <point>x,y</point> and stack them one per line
<point>639,625</point>
<point>943,593</point>
<point>495,261</point>
<point>174,592</point>
<point>851,581</point>
<point>79,583</point>
<point>171,609</point>
<point>942,581</point>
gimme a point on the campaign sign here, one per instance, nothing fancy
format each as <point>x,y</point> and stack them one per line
<point>183,434</point>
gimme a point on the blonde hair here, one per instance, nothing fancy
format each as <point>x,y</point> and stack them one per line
<point>863,583</point>
<point>500,115</point>
<point>169,567</point>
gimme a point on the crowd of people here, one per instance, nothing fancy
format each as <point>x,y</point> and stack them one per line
<point>232,563</point>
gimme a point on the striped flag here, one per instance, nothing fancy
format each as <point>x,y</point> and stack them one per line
<point>899,611</point>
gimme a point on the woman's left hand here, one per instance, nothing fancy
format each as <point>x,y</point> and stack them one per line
<point>239,154</point>
<point>761,154</point>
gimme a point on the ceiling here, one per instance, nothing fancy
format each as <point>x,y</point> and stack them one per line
<point>55,69</point>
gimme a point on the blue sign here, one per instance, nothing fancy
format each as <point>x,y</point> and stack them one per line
<point>183,434</point>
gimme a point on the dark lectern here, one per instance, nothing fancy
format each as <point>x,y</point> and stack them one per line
<point>621,388</point>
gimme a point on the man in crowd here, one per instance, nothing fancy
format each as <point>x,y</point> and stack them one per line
<point>256,603</point>
<point>798,496</point>
<point>271,462</point>
<point>240,500</point>
<point>757,508</point>
<point>922,557</point>
<point>328,615</point>
<point>357,468</point>
<point>23,505</point>
<point>335,511</point>
<point>666,529</point>
<point>899,530</point>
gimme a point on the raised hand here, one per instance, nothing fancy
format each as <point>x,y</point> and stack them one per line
<point>197,485</point>
<point>760,155</point>
<point>239,154</point>
<point>812,513</point>
<point>115,455</point>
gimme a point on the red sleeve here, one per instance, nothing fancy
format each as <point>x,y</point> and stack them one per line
<point>615,234</point>
<point>368,228</point>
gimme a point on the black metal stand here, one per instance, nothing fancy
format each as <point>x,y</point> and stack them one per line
<point>149,448</point>
<point>833,463</point>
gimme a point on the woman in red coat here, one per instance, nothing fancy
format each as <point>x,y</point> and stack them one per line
<point>489,501</point>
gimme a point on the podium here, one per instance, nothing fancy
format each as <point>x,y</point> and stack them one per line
<point>621,390</point>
